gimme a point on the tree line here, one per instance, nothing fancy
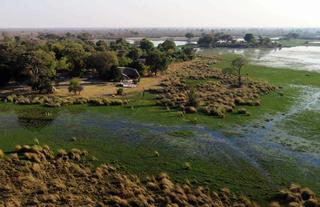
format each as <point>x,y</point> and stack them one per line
<point>225,40</point>
<point>39,62</point>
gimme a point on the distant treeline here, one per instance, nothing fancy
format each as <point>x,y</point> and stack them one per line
<point>225,40</point>
<point>42,60</point>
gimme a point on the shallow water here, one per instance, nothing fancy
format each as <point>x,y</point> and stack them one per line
<point>255,146</point>
<point>299,58</point>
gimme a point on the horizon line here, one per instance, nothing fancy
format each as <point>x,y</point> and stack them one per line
<point>159,27</point>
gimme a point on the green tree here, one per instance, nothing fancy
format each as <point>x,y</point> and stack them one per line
<point>141,68</point>
<point>102,62</point>
<point>134,53</point>
<point>206,40</point>
<point>227,38</point>
<point>5,74</point>
<point>76,56</point>
<point>146,45</point>
<point>249,38</point>
<point>119,45</point>
<point>40,67</point>
<point>16,62</point>
<point>193,99</point>
<point>167,46</point>
<point>157,61</point>
<point>292,35</point>
<point>7,60</point>
<point>189,36</point>
<point>188,52</point>
<point>57,48</point>
<point>120,91</point>
<point>115,73</point>
<point>75,86</point>
<point>102,46</point>
<point>85,36</point>
<point>237,64</point>
<point>123,59</point>
<point>63,64</point>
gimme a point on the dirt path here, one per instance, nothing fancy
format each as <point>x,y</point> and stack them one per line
<point>108,89</point>
<point>99,89</point>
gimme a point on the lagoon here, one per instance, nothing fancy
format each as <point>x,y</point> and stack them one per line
<point>298,58</point>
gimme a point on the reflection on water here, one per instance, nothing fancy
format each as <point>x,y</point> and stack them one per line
<point>106,133</point>
<point>160,41</point>
<point>299,58</point>
<point>35,118</point>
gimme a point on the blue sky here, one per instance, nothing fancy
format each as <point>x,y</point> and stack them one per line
<point>159,13</point>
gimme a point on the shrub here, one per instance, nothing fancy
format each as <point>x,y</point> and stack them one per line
<point>96,102</point>
<point>120,91</point>
<point>191,110</point>
<point>193,99</point>
<point>156,153</point>
<point>5,74</point>
<point>140,66</point>
<point>36,141</point>
<point>43,85</point>
<point>105,63</point>
<point>75,86</point>
<point>180,114</point>
<point>187,166</point>
<point>11,98</point>
<point>1,154</point>
<point>115,73</point>
<point>242,111</point>
<point>116,102</point>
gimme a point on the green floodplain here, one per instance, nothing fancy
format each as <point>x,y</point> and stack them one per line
<point>252,155</point>
<point>298,42</point>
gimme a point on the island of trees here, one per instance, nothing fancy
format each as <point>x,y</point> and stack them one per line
<point>214,40</point>
<point>39,62</point>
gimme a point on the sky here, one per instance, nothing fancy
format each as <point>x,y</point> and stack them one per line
<point>158,13</point>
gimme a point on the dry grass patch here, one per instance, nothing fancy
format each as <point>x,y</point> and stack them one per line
<point>215,92</point>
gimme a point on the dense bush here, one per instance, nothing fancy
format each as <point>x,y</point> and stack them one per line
<point>157,61</point>
<point>75,86</point>
<point>103,62</point>
<point>141,68</point>
<point>225,40</point>
<point>115,74</point>
<point>38,63</point>
<point>120,91</point>
<point>5,74</point>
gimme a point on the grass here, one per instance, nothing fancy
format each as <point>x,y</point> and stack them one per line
<point>132,157</point>
<point>138,157</point>
<point>181,133</point>
<point>309,129</point>
<point>277,76</point>
<point>297,42</point>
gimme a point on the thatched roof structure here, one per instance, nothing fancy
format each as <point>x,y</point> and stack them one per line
<point>130,73</point>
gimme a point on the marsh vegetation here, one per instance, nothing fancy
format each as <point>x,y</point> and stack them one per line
<point>247,147</point>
